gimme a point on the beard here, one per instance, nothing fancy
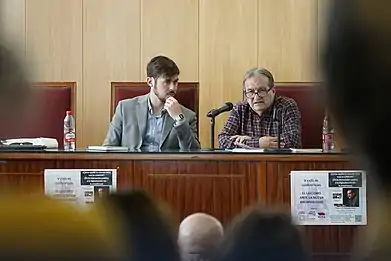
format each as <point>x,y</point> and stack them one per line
<point>160,97</point>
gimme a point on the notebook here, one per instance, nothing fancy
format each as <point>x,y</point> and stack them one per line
<point>108,148</point>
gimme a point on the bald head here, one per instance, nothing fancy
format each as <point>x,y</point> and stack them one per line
<point>199,236</point>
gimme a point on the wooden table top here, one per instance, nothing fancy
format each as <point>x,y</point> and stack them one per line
<point>193,155</point>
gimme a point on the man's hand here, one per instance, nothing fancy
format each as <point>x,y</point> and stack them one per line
<point>173,107</point>
<point>269,142</point>
<point>239,138</point>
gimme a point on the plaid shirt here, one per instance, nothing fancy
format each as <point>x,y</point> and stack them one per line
<point>244,121</point>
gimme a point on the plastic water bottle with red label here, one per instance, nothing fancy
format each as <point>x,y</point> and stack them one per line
<point>69,132</point>
<point>327,135</point>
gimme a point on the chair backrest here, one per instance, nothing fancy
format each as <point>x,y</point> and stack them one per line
<point>46,115</point>
<point>310,100</point>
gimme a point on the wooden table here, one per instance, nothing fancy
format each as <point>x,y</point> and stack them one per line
<point>218,183</point>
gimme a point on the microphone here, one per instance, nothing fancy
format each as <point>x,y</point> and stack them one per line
<point>212,114</point>
<point>215,112</point>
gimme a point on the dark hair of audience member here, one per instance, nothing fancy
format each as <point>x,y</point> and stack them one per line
<point>356,63</point>
<point>148,226</point>
<point>260,234</point>
<point>15,95</point>
<point>13,80</point>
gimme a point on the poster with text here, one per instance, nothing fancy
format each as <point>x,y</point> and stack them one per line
<point>329,197</point>
<point>79,186</point>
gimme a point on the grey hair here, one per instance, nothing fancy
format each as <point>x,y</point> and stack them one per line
<point>260,72</point>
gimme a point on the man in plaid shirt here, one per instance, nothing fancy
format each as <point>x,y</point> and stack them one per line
<point>252,122</point>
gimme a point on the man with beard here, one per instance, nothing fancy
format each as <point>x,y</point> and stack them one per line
<point>155,121</point>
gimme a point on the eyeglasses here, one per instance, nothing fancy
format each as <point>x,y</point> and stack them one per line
<point>261,93</point>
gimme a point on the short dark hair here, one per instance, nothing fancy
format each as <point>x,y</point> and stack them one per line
<point>147,225</point>
<point>263,232</point>
<point>162,66</point>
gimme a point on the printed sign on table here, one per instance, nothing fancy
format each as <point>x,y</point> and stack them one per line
<point>329,197</point>
<point>80,186</point>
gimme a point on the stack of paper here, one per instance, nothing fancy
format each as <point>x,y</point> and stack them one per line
<point>241,150</point>
<point>107,148</point>
<point>307,150</point>
<point>50,143</point>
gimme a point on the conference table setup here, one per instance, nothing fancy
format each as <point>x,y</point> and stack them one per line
<point>219,182</point>
<point>260,119</point>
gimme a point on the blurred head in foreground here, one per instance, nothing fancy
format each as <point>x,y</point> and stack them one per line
<point>199,237</point>
<point>14,92</point>
<point>37,228</point>
<point>260,234</point>
<point>148,226</point>
<point>13,81</point>
<point>357,64</point>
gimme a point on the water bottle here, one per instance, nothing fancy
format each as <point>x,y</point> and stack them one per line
<point>327,135</point>
<point>69,132</point>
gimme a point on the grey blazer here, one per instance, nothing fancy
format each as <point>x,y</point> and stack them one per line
<point>129,123</point>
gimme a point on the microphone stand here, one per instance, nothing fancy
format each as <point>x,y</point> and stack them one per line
<point>212,115</point>
<point>212,133</point>
<point>278,133</point>
<point>278,120</point>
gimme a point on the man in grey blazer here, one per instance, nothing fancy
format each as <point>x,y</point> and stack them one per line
<point>156,121</point>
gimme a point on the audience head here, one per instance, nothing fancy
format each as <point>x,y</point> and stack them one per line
<point>259,234</point>
<point>162,77</point>
<point>38,228</point>
<point>258,88</point>
<point>199,237</point>
<point>357,67</point>
<point>147,225</point>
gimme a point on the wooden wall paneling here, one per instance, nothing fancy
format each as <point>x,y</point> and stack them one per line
<point>54,45</point>
<point>95,42</point>
<point>111,52</point>
<point>222,189</point>
<point>228,48</point>
<point>288,39</point>
<point>54,39</point>
<point>12,24</point>
<point>170,28</point>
